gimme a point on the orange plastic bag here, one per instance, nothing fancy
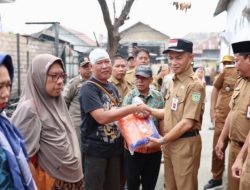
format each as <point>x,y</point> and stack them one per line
<point>136,131</point>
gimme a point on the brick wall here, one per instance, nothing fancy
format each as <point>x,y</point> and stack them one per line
<point>28,49</point>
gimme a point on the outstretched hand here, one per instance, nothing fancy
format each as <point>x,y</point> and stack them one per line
<point>156,140</point>
<point>143,111</point>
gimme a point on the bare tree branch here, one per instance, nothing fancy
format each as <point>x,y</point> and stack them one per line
<point>114,9</point>
<point>124,14</point>
<point>105,13</point>
<point>113,29</point>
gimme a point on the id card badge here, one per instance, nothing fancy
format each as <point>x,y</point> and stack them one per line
<point>248,112</point>
<point>174,104</point>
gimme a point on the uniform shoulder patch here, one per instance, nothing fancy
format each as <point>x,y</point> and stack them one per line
<point>196,96</point>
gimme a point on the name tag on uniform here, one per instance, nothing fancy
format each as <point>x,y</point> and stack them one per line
<point>248,112</point>
<point>174,104</point>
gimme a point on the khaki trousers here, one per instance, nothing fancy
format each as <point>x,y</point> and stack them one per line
<point>182,162</point>
<point>245,176</point>
<point>233,184</point>
<point>218,165</point>
<point>245,181</point>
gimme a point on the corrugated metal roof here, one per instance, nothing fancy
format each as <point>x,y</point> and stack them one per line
<point>81,36</point>
<point>221,6</point>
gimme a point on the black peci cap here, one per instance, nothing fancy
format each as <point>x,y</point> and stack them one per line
<point>241,47</point>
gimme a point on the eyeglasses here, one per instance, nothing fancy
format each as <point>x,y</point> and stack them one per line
<point>56,77</point>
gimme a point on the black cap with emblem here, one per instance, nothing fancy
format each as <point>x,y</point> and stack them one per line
<point>179,45</point>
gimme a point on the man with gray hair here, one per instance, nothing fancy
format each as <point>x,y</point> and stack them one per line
<point>101,141</point>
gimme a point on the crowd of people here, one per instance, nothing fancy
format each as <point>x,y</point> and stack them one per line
<point>69,138</point>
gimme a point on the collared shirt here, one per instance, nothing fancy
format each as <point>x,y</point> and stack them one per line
<point>239,124</point>
<point>165,83</point>
<point>130,77</point>
<point>225,83</point>
<point>184,100</point>
<point>153,99</point>
<point>122,87</point>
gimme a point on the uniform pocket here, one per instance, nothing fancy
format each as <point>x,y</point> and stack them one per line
<point>235,97</point>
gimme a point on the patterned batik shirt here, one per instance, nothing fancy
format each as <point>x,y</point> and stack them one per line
<point>153,99</point>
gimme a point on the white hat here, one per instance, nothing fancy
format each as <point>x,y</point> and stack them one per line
<point>97,55</point>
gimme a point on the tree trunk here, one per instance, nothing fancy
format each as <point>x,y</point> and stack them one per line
<point>113,42</point>
<point>113,29</point>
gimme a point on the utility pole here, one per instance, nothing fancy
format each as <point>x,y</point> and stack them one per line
<point>56,26</point>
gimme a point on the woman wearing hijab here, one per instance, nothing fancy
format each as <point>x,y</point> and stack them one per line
<point>14,169</point>
<point>43,119</point>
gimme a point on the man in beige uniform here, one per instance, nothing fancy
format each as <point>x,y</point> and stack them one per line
<point>141,57</point>
<point>129,76</point>
<point>131,62</point>
<point>117,77</point>
<point>237,124</point>
<point>182,119</point>
<point>72,90</point>
<point>241,166</point>
<point>223,88</point>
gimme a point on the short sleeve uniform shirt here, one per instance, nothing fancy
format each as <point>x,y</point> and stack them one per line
<point>184,100</point>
